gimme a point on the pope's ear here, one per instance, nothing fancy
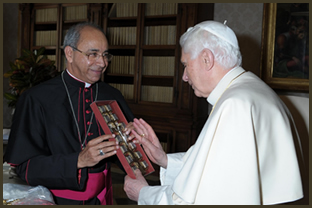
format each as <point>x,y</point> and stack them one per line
<point>69,54</point>
<point>207,58</point>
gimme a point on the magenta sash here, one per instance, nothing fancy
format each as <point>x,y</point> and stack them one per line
<point>99,184</point>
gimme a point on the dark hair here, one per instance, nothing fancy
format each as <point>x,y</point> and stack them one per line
<point>73,34</point>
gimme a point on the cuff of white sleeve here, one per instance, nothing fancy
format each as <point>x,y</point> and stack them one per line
<point>174,166</point>
<point>155,195</point>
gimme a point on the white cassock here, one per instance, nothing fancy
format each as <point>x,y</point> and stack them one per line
<point>245,153</point>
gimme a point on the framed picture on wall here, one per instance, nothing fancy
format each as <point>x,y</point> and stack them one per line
<point>285,46</point>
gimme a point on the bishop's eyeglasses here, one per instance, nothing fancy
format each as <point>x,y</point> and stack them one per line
<point>94,56</point>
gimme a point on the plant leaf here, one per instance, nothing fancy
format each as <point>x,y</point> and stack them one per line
<point>8,74</point>
<point>40,51</point>
<point>26,52</point>
<point>9,96</point>
<point>32,68</point>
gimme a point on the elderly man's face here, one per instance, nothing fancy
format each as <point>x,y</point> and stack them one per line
<point>91,41</point>
<point>194,74</point>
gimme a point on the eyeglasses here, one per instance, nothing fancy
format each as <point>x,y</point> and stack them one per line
<point>93,56</point>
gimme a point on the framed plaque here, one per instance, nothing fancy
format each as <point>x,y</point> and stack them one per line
<point>112,121</point>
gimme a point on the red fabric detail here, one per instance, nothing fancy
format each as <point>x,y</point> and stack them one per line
<point>79,176</point>
<point>84,116</point>
<point>91,94</point>
<point>26,174</point>
<point>99,185</point>
<point>13,165</point>
<point>79,104</point>
<point>97,122</point>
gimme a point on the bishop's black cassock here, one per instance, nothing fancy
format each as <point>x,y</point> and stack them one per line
<point>44,142</point>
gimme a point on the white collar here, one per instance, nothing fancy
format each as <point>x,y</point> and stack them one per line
<point>86,84</point>
<point>223,83</point>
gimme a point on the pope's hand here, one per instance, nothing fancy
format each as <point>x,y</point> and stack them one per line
<point>132,187</point>
<point>147,137</point>
<point>128,130</point>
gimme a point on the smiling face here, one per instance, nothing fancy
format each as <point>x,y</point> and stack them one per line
<point>91,41</point>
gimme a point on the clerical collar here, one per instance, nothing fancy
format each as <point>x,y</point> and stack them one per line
<point>87,85</point>
<point>223,84</point>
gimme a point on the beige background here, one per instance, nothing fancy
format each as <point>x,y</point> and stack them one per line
<point>246,21</point>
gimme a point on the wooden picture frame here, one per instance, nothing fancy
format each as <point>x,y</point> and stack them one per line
<point>284,51</point>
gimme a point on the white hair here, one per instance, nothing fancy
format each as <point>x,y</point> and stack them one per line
<point>195,39</point>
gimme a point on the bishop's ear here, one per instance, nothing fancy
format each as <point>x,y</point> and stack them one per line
<point>207,58</point>
<point>69,54</point>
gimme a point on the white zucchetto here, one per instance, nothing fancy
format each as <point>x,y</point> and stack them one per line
<point>220,30</point>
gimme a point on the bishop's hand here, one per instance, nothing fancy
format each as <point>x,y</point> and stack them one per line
<point>96,150</point>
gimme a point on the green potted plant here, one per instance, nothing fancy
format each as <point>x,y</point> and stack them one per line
<point>30,69</point>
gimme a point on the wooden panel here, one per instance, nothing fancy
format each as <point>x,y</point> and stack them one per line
<point>95,14</point>
<point>182,141</point>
